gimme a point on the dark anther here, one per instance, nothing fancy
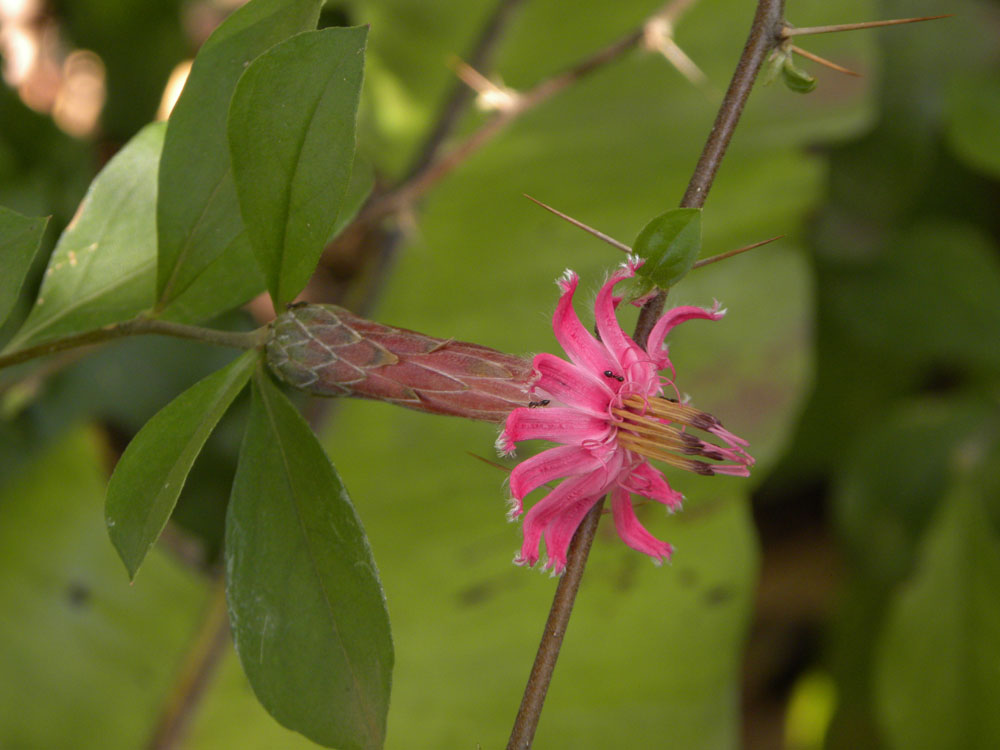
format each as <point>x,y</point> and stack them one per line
<point>699,467</point>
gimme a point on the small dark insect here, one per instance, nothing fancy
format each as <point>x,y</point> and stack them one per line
<point>543,402</point>
<point>620,378</point>
<point>608,374</point>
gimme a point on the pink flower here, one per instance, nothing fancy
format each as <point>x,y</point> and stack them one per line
<point>607,409</point>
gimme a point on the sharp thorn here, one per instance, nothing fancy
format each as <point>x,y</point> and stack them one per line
<point>731,253</point>
<point>789,31</point>
<point>575,222</point>
<point>488,462</point>
<point>823,61</point>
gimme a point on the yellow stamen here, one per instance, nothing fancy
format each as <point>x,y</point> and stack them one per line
<point>645,431</point>
<point>647,426</point>
<point>672,410</point>
<point>652,449</point>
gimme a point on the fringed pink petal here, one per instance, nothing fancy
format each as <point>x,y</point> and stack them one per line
<point>583,349</point>
<point>560,530</point>
<point>571,385</point>
<point>610,330</point>
<point>554,463</point>
<point>670,320</point>
<point>562,507</point>
<point>649,482</point>
<point>634,533</point>
<point>558,424</point>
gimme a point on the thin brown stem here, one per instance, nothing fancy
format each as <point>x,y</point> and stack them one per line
<point>434,171</point>
<point>195,673</point>
<point>765,34</point>
<point>555,629</point>
<point>808,30</point>
<point>481,59</point>
<point>382,242</point>
<point>135,327</point>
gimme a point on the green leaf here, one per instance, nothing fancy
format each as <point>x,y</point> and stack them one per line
<point>358,189</point>
<point>198,218</point>
<point>151,473</point>
<point>102,269</point>
<point>20,237</point>
<point>291,138</point>
<point>305,601</point>
<point>218,288</point>
<point>669,243</point>
<point>938,670</point>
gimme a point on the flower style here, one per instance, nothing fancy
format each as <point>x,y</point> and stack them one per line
<point>607,409</point>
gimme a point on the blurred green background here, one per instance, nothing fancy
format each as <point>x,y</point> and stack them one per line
<point>844,597</point>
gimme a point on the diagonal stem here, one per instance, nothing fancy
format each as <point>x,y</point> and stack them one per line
<point>136,327</point>
<point>480,59</point>
<point>196,672</point>
<point>765,34</point>
<point>424,179</point>
<point>555,628</point>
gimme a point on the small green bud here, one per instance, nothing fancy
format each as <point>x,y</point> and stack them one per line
<point>772,66</point>
<point>795,78</point>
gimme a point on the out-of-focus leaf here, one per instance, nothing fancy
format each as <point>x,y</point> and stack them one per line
<point>291,139</point>
<point>892,486</point>
<point>883,506</point>
<point>931,295</point>
<point>198,218</point>
<point>306,604</point>
<point>102,270</point>
<point>87,660</point>
<point>669,243</point>
<point>151,473</point>
<point>973,117</point>
<point>938,668</point>
<point>19,240</point>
